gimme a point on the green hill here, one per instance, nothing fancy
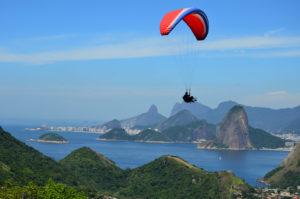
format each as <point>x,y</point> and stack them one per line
<point>261,139</point>
<point>151,135</point>
<point>172,177</point>
<point>32,191</point>
<point>165,177</point>
<point>52,137</point>
<point>117,134</point>
<point>191,132</point>
<point>93,170</point>
<point>288,172</point>
<point>22,163</point>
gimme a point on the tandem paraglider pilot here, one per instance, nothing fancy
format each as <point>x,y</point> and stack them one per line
<point>188,98</point>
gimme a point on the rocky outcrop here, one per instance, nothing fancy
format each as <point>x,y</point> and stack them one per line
<point>233,132</point>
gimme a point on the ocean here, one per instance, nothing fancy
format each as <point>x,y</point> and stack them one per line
<point>248,165</point>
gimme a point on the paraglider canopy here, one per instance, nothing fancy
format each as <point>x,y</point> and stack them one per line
<point>197,21</point>
<point>195,18</point>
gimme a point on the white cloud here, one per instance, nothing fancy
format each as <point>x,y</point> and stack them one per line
<point>282,92</point>
<point>260,47</point>
<point>247,43</point>
<point>281,53</point>
<point>273,99</point>
<point>272,32</point>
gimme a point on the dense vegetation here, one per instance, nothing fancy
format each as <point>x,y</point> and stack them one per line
<point>23,164</point>
<point>52,137</point>
<point>151,135</point>
<point>272,172</point>
<point>158,179</point>
<point>288,173</point>
<point>285,178</point>
<point>172,177</point>
<point>31,190</point>
<point>93,169</point>
<point>117,134</point>
<point>259,139</point>
<point>191,132</point>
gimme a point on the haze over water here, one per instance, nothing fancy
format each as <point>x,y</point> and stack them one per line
<point>248,165</point>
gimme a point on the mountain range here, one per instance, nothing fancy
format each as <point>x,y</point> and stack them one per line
<point>279,121</point>
<point>272,120</point>
<point>233,133</point>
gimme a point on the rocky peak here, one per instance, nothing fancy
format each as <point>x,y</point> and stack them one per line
<point>233,130</point>
<point>153,109</point>
<point>236,114</point>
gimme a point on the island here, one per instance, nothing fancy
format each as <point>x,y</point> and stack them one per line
<point>51,138</point>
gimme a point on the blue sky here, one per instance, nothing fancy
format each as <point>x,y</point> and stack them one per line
<point>106,59</point>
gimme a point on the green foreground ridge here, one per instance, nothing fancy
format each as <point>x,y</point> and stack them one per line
<point>288,172</point>
<point>85,173</point>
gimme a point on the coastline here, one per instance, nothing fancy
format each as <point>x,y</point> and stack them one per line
<point>47,141</point>
<point>198,147</point>
<point>92,132</point>
<point>244,149</point>
<point>261,180</point>
<point>147,141</point>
